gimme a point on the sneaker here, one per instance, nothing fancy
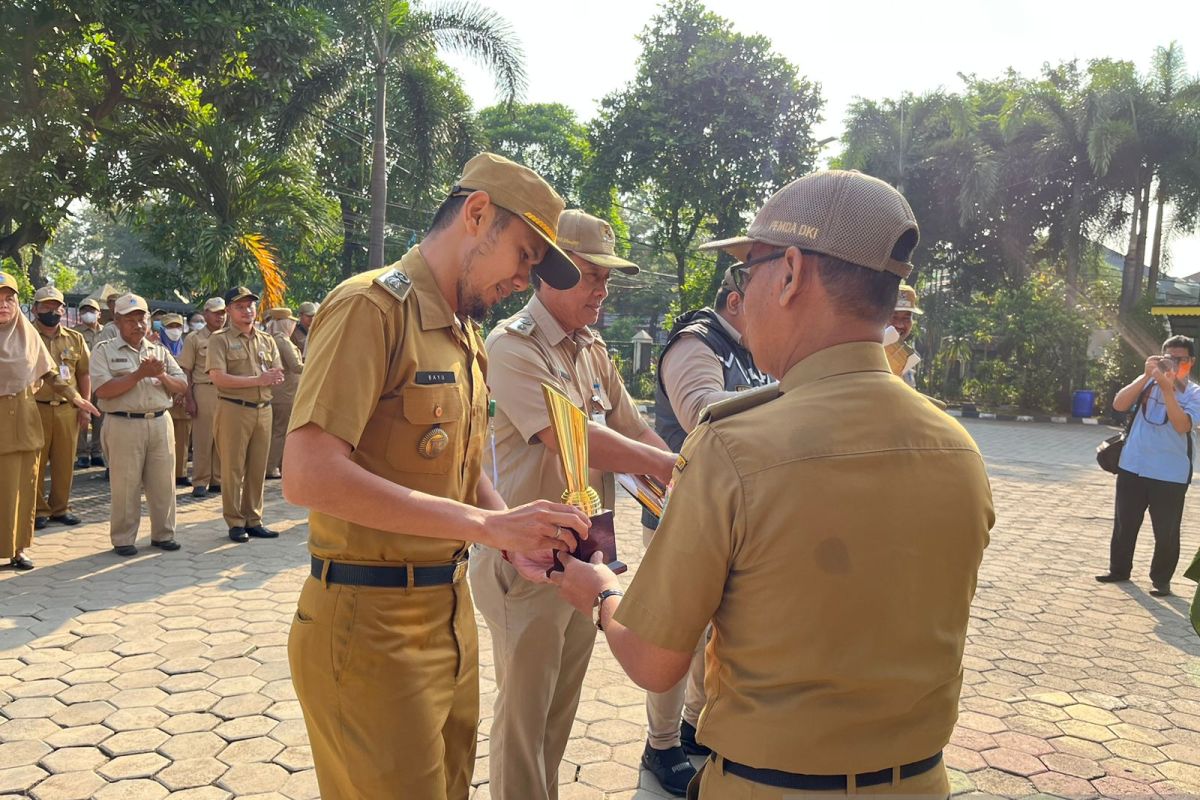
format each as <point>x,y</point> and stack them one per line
<point>687,740</point>
<point>1110,578</point>
<point>671,767</point>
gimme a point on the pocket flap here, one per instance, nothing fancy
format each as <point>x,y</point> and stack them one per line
<point>431,405</point>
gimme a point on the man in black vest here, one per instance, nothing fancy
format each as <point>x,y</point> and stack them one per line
<point>702,363</point>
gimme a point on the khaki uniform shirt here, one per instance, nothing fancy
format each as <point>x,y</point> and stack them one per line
<point>293,366</point>
<point>91,334</point>
<point>831,527</point>
<point>243,355</point>
<point>109,331</point>
<point>70,354</point>
<point>194,357</point>
<point>115,358</point>
<point>524,352</point>
<point>388,363</point>
<point>21,423</point>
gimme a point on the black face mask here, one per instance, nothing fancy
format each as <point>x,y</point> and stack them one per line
<point>49,318</point>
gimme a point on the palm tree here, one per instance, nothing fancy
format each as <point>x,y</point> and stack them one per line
<point>389,40</point>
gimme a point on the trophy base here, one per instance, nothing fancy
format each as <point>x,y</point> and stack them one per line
<point>602,538</point>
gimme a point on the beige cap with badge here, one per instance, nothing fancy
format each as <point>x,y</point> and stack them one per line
<point>128,303</point>
<point>214,304</point>
<point>906,299</point>
<point>592,239</point>
<point>48,293</point>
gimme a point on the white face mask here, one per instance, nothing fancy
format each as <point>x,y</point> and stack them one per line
<point>174,334</point>
<point>198,325</point>
<point>89,317</point>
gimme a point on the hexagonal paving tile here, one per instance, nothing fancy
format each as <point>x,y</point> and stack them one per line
<point>245,779</point>
<point>133,742</point>
<point>242,705</point>
<point>68,786</point>
<point>295,759</point>
<point>140,789</point>
<point>190,723</point>
<point>192,772</point>
<point>83,736</point>
<point>142,765</point>
<point>245,728</point>
<point>21,753</point>
<point>135,719</point>
<point>74,759</point>
<point>248,751</point>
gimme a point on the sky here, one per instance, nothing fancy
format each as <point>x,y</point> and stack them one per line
<point>576,51</point>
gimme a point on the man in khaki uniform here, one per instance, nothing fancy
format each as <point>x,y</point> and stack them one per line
<point>902,356</point>
<point>243,362</point>
<point>542,645</point>
<point>110,329</point>
<point>135,380</point>
<point>839,596</point>
<point>87,450</point>
<point>308,311</point>
<point>181,417</point>
<point>281,326</point>
<point>61,420</point>
<point>202,400</point>
<point>385,447</point>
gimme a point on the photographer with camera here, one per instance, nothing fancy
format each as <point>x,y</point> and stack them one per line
<point>1156,462</point>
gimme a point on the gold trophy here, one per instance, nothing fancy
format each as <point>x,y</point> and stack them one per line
<point>570,425</point>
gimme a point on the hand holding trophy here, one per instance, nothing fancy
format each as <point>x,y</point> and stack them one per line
<point>571,428</point>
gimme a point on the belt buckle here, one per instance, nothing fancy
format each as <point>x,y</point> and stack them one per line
<point>460,571</point>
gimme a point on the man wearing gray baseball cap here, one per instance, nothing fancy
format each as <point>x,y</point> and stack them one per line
<point>839,596</point>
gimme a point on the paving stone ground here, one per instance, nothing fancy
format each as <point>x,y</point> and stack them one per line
<point>166,675</point>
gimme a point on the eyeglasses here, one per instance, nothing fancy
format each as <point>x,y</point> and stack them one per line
<point>740,273</point>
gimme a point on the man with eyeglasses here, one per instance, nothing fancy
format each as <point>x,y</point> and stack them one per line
<point>839,597</point>
<point>1156,462</point>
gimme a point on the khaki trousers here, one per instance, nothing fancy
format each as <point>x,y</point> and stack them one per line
<point>60,427</point>
<point>141,455</point>
<point>18,499</point>
<point>541,648</point>
<point>183,433</point>
<point>388,680</point>
<point>713,783</point>
<point>686,698</point>
<point>89,446</point>
<point>280,414</point>
<point>243,438</point>
<point>206,464</point>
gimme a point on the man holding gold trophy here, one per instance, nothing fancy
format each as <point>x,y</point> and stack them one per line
<point>586,419</point>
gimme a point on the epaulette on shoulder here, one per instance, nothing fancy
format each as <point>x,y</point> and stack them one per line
<point>521,325</point>
<point>742,402</point>
<point>397,283</point>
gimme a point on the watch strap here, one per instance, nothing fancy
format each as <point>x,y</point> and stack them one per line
<point>600,598</point>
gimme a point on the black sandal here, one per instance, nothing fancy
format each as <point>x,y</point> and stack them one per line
<point>21,561</point>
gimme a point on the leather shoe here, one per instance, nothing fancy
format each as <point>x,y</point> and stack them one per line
<point>1161,590</point>
<point>198,491</point>
<point>239,534</point>
<point>40,522</point>
<point>97,461</point>
<point>125,550</point>
<point>82,462</point>
<point>169,544</point>
<point>214,488</point>
<point>21,561</point>
<point>671,767</point>
<point>66,519</point>
<point>259,532</point>
<point>182,482</point>
<point>1110,578</point>
<point>687,740</point>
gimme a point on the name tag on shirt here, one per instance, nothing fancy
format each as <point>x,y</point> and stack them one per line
<point>435,378</point>
<point>64,372</point>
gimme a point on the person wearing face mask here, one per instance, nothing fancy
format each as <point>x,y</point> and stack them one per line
<point>172,340</point>
<point>61,417</point>
<point>88,451</point>
<point>196,324</point>
<point>201,399</point>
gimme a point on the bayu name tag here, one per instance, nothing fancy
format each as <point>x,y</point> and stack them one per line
<point>435,378</point>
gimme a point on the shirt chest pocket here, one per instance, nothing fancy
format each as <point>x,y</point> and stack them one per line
<point>237,357</point>
<point>427,434</point>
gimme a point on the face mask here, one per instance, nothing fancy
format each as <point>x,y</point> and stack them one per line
<point>198,326</point>
<point>88,317</point>
<point>49,318</point>
<point>174,334</point>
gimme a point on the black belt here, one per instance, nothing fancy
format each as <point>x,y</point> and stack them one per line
<point>137,414</point>
<point>828,783</point>
<point>388,577</point>
<point>53,402</point>
<point>246,403</point>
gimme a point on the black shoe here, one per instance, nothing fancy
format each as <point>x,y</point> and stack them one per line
<point>198,491</point>
<point>40,522</point>
<point>687,740</point>
<point>671,767</point>
<point>1161,590</point>
<point>259,532</point>
<point>1110,578</point>
<point>238,535</point>
<point>66,519</point>
<point>169,544</point>
<point>21,562</point>
<point>125,550</point>
<point>82,462</point>
<point>97,461</point>
<point>183,482</point>
<point>214,488</point>
<point>105,473</point>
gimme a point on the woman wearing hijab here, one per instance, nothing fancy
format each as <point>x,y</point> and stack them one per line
<point>24,364</point>
<point>172,339</point>
<point>281,326</point>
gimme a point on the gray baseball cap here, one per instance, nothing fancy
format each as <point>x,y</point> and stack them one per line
<point>841,213</point>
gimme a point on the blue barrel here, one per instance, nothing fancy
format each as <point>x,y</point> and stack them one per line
<point>1083,403</point>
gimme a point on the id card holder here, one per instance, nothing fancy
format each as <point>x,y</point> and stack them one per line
<point>64,372</point>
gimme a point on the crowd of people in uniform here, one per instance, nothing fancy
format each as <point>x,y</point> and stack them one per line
<point>162,387</point>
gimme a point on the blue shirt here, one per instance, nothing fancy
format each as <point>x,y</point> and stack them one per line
<point>1154,448</point>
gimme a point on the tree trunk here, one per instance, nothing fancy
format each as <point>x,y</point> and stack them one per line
<point>36,277</point>
<point>1143,228</point>
<point>349,246</point>
<point>378,170</point>
<point>1129,293</point>
<point>1156,249</point>
<point>1074,233</point>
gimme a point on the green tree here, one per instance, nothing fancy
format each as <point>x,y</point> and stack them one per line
<point>546,137</point>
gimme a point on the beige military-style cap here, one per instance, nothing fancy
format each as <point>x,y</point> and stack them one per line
<point>128,303</point>
<point>592,239</point>
<point>525,193</point>
<point>48,293</point>
<point>8,282</point>
<point>172,319</point>
<point>280,313</point>
<point>906,299</point>
<point>214,304</point>
<point>310,308</point>
<point>88,302</point>
<point>841,213</point>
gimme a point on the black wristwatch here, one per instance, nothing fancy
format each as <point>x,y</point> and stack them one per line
<point>600,598</point>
